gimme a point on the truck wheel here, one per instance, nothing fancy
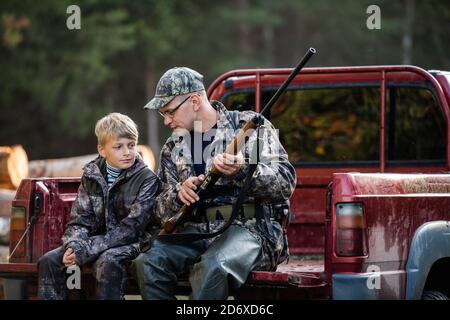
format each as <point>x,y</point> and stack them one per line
<point>434,295</point>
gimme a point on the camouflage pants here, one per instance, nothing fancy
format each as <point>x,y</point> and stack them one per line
<point>225,263</point>
<point>110,272</point>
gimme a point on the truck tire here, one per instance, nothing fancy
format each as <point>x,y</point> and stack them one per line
<point>434,295</point>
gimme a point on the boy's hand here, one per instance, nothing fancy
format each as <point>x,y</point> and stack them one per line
<point>228,164</point>
<point>187,192</point>
<point>69,257</point>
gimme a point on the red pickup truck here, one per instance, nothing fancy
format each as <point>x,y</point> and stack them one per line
<point>371,146</point>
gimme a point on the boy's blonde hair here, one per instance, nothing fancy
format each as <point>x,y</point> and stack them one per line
<point>115,125</point>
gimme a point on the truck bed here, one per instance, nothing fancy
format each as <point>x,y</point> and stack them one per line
<point>290,277</point>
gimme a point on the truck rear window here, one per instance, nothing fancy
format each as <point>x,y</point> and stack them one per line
<point>415,125</point>
<point>342,124</point>
<point>325,124</point>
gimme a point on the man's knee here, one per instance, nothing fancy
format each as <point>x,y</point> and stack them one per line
<point>151,260</point>
<point>209,267</point>
<point>154,267</point>
<point>222,261</point>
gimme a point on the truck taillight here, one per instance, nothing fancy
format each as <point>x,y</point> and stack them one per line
<point>17,228</point>
<point>350,230</point>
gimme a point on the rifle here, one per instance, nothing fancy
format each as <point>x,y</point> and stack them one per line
<point>233,148</point>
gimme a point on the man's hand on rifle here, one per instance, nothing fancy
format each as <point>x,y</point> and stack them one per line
<point>228,164</point>
<point>187,193</point>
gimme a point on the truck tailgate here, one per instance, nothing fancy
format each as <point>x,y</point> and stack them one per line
<point>298,279</point>
<point>296,272</point>
<point>18,270</point>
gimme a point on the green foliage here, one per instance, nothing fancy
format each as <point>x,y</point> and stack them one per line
<point>55,82</point>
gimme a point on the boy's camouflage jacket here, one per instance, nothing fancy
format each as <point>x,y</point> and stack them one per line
<point>102,218</point>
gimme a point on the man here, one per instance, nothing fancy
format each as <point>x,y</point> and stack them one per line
<point>255,240</point>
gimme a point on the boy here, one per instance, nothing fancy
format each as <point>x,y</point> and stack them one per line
<point>109,216</point>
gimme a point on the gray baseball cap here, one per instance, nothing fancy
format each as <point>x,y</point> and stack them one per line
<point>175,82</point>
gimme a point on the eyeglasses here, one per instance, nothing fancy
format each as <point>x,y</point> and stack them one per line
<point>171,113</point>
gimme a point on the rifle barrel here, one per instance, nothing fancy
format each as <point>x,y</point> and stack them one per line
<point>294,72</point>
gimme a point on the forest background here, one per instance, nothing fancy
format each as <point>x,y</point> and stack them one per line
<point>56,82</point>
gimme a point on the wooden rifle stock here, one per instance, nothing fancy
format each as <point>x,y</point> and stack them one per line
<point>233,148</point>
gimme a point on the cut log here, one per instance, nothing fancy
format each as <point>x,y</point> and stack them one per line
<point>4,230</point>
<point>147,155</point>
<point>13,166</point>
<point>6,198</point>
<point>64,167</point>
<point>73,167</point>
